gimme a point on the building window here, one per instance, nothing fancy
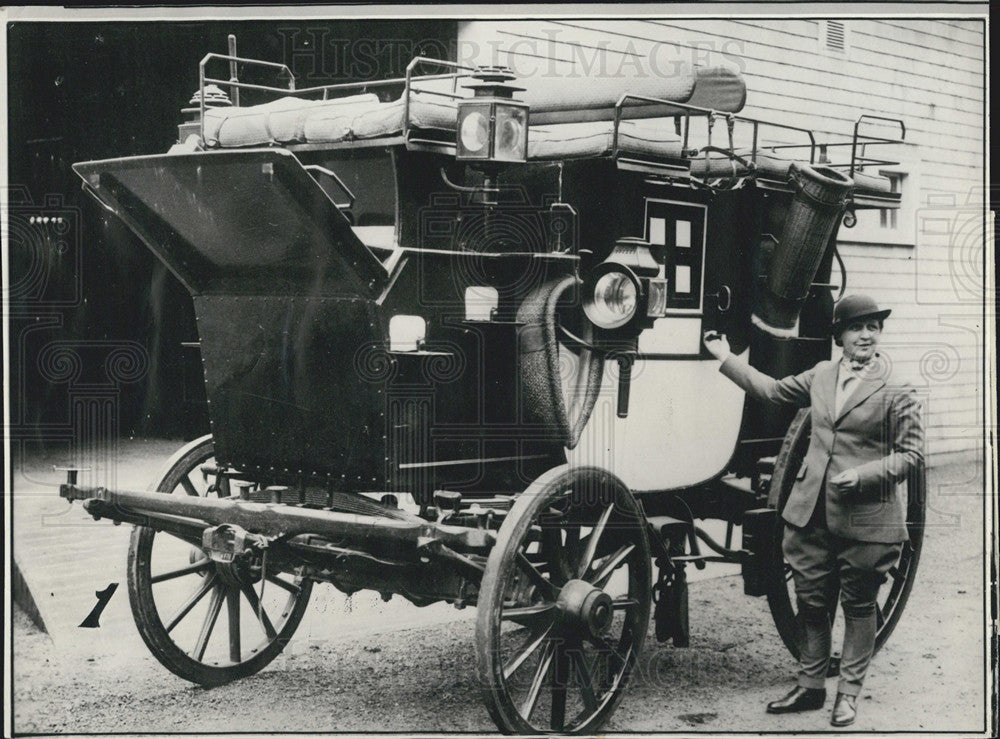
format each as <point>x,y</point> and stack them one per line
<point>889,219</point>
<point>890,226</point>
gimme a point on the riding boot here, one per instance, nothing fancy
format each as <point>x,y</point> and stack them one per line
<point>814,645</point>
<point>859,643</point>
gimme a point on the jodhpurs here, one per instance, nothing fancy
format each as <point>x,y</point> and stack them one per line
<point>821,562</point>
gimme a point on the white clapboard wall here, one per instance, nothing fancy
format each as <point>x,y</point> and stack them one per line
<point>926,262</point>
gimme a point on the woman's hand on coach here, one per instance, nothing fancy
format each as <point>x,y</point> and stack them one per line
<point>717,345</point>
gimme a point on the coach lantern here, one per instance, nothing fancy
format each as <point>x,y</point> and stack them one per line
<point>492,126</point>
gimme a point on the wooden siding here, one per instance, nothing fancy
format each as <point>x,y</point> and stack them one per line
<point>930,73</point>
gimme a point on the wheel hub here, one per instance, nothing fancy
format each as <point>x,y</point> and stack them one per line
<point>240,572</point>
<point>583,604</point>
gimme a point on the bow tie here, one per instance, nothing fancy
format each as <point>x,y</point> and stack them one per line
<point>856,366</point>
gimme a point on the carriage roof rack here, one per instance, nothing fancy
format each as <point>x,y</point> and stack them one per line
<point>670,168</point>
<point>818,151</point>
<point>458,71</point>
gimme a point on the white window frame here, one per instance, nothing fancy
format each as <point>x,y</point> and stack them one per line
<point>869,228</point>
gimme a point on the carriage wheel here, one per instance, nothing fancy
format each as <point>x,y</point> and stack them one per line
<point>564,604</point>
<point>892,595</point>
<point>177,594</point>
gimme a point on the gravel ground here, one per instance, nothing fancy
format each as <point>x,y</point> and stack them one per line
<point>401,678</point>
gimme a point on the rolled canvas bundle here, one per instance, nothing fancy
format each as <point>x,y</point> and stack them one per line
<point>431,105</point>
<point>558,100</point>
<point>820,197</point>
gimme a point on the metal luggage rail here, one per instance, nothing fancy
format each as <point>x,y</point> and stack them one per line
<point>408,80</point>
<point>818,150</point>
<point>859,144</point>
<point>710,115</point>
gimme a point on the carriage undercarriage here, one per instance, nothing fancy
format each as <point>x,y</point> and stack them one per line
<point>561,573</point>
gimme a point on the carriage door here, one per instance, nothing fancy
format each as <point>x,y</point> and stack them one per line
<point>684,416</point>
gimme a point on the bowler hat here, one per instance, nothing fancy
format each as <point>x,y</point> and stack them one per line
<point>856,306</point>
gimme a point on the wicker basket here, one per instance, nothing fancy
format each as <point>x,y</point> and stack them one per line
<point>820,198</point>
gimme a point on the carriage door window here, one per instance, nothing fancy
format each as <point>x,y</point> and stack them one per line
<point>676,232</point>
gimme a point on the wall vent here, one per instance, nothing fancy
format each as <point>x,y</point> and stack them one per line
<point>836,36</point>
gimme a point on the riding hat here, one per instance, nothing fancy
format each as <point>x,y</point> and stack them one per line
<point>853,307</point>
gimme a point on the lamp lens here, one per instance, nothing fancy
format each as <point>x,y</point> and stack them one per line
<point>511,133</point>
<point>615,300</point>
<point>475,132</point>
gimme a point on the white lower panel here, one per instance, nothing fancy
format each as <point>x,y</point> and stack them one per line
<point>683,422</point>
<point>672,335</point>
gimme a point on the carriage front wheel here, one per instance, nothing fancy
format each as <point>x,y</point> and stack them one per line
<point>892,595</point>
<point>177,593</point>
<point>564,604</point>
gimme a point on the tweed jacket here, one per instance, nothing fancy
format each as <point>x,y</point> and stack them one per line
<point>878,432</point>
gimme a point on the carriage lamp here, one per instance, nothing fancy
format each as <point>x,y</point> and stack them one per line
<point>656,302</point>
<point>614,298</point>
<point>492,126</point>
<point>625,285</point>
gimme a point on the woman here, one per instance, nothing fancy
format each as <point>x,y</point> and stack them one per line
<point>846,520</point>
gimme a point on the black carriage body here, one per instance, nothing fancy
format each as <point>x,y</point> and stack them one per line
<point>293,314</point>
<point>293,308</point>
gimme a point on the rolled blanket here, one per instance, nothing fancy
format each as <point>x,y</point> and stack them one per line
<point>281,121</point>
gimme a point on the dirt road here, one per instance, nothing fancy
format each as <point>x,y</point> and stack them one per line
<point>391,677</point>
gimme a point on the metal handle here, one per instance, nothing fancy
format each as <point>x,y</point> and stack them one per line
<point>724,292</point>
<point>333,175</point>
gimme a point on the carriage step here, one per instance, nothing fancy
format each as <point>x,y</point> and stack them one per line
<point>667,526</point>
<point>758,542</point>
<point>763,472</point>
<point>667,535</point>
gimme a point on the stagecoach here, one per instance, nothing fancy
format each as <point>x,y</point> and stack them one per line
<point>450,327</point>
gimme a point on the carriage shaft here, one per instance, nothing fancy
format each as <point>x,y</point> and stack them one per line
<point>277,520</point>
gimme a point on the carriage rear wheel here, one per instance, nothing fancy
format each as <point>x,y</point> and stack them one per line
<point>177,593</point>
<point>564,604</point>
<point>892,595</point>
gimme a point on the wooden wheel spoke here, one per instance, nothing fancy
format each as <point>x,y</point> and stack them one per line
<point>546,587</point>
<point>284,584</point>
<point>259,612</point>
<point>572,538</point>
<point>612,563</point>
<point>189,487</point>
<point>616,662</point>
<point>593,539</point>
<point>531,700</point>
<point>233,615</point>
<point>586,680</point>
<point>879,617</point>
<point>560,681</point>
<point>895,573</point>
<point>191,602</point>
<point>529,647</point>
<point>527,615</point>
<point>199,566</point>
<point>207,626</point>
